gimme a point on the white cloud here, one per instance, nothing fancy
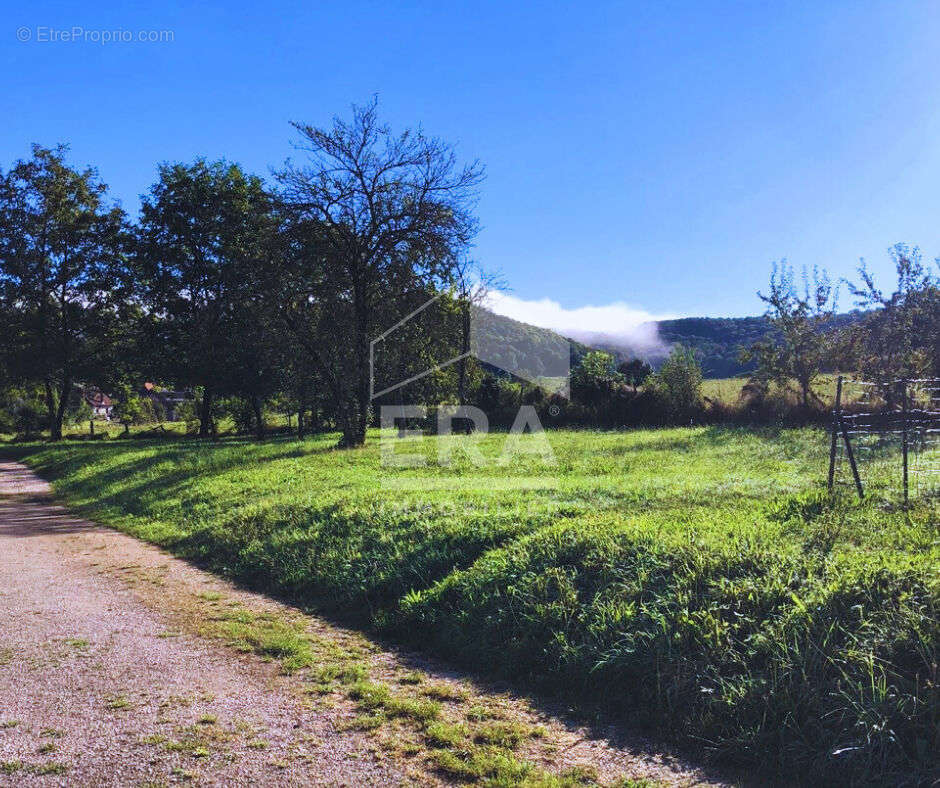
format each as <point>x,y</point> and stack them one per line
<point>617,323</point>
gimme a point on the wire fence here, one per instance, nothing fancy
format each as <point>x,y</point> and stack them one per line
<point>885,438</point>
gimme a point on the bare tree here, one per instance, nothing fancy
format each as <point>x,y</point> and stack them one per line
<point>384,215</point>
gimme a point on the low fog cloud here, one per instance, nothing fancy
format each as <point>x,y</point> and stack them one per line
<point>612,325</point>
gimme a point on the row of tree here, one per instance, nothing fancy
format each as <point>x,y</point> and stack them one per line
<point>897,337</point>
<point>225,285</point>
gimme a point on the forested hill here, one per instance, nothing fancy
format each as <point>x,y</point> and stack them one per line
<point>510,344</point>
<point>717,341</point>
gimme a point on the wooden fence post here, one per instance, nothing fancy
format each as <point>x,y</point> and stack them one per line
<point>904,408</point>
<point>851,454</point>
<point>836,420</point>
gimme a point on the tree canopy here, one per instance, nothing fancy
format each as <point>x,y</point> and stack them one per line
<point>62,279</point>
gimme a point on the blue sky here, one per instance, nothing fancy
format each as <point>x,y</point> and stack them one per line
<point>642,158</point>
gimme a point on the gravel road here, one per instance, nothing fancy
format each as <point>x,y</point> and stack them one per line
<point>95,689</point>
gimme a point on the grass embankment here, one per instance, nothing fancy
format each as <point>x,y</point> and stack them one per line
<point>693,580</point>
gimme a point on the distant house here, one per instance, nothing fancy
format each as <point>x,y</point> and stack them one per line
<point>166,400</point>
<point>100,403</point>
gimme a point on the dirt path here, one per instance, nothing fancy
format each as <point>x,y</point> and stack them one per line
<point>107,676</point>
<point>89,674</point>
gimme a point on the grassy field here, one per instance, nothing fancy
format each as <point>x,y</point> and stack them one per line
<point>694,581</point>
<point>728,390</point>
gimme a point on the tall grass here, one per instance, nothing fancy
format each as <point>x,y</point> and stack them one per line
<point>696,581</point>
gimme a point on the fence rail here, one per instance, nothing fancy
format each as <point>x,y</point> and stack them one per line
<point>901,416</point>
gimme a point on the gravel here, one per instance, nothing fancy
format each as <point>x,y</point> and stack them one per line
<point>93,685</point>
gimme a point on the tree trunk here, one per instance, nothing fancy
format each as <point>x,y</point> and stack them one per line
<point>357,421</point>
<point>50,412</point>
<point>59,416</point>
<point>462,368</point>
<point>354,419</point>
<point>300,420</point>
<point>350,431</point>
<point>259,417</point>
<point>365,411</point>
<point>354,422</point>
<point>205,415</point>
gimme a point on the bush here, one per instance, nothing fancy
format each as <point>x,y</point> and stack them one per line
<point>239,410</point>
<point>186,412</point>
<point>27,418</point>
<point>678,385</point>
<point>133,409</point>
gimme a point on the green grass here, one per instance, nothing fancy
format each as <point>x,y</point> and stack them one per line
<point>695,581</point>
<point>118,703</point>
<point>728,390</point>
<point>50,768</point>
<point>10,767</point>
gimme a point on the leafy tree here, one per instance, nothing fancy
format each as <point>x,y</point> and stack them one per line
<point>635,372</point>
<point>377,217</point>
<point>187,413</point>
<point>130,408</point>
<point>900,338</point>
<point>61,265</point>
<point>128,411</point>
<point>203,238</point>
<point>800,347</point>
<point>22,409</point>
<point>257,359</point>
<point>78,410</point>
<point>678,383</point>
<point>593,380</point>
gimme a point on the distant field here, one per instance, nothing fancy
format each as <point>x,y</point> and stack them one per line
<point>728,390</point>
<point>697,581</point>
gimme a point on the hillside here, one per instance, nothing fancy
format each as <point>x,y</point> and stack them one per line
<point>504,343</point>
<point>718,340</point>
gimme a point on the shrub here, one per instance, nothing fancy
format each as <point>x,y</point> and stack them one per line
<point>678,385</point>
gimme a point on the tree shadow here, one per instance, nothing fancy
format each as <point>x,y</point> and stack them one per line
<point>30,516</point>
